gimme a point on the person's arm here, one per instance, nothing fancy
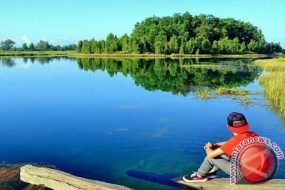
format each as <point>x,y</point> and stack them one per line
<point>220,143</point>
<point>212,153</point>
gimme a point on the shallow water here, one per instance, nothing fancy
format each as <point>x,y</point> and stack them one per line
<point>90,124</point>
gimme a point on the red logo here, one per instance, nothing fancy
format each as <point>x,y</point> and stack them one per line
<point>257,163</point>
<point>239,123</point>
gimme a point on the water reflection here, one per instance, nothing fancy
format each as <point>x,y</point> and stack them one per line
<point>177,76</point>
<point>68,116</point>
<point>11,62</point>
<point>8,62</point>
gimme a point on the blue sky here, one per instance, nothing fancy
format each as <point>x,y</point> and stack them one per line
<point>67,21</point>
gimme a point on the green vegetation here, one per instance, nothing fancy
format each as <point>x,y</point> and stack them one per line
<point>8,45</point>
<point>204,94</point>
<point>235,93</point>
<point>232,91</point>
<point>184,34</point>
<point>164,74</point>
<point>34,53</point>
<point>203,77</point>
<point>245,100</point>
<point>273,82</point>
<point>272,65</point>
<point>168,75</point>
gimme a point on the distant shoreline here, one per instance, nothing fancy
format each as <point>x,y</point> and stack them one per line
<point>174,56</point>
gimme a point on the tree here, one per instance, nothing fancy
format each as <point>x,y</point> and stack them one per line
<point>24,47</point>
<point>181,50</point>
<point>215,47</point>
<point>173,44</point>
<point>7,44</point>
<point>205,46</point>
<point>190,46</point>
<point>31,47</point>
<point>112,44</point>
<point>125,43</point>
<point>161,44</point>
<point>273,48</point>
<point>242,48</point>
<point>86,47</point>
<point>234,46</point>
<point>79,46</point>
<point>42,46</point>
<point>252,46</point>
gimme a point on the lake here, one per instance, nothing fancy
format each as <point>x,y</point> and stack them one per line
<point>132,122</point>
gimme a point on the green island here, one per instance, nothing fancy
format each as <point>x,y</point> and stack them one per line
<point>180,35</point>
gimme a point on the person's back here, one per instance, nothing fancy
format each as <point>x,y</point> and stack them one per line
<point>233,142</point>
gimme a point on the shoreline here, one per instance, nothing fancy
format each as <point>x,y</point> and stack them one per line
<point>73,54</point>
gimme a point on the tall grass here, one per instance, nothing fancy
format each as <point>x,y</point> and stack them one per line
<point>273,82</point>
<point>203,94</point>
<point>232,91</point>
<point>272,65</point>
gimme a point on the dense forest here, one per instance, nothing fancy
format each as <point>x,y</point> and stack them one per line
<point>185,34</point>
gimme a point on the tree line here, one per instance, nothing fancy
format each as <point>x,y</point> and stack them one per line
<point>185,34</point>
<point>40,46</point>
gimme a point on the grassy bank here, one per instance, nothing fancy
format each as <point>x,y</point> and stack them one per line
<point>273,82</point>
<point>173,56</point>
<point>116,55</point>
<point>33,53</point>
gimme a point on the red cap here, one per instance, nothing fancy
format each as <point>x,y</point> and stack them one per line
<point>237,123</point>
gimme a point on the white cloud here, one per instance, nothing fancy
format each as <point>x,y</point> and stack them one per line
<point>25,39</point>
<point>59,41</point>
<point>19,40</point>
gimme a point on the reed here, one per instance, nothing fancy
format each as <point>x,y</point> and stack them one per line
<point>272,64</point>
<point>203,94</point>
<point>273,82</point>
<point>245,100</point>
<point>232,91</point>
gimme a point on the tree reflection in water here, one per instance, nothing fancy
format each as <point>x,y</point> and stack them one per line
<point>179,76</point>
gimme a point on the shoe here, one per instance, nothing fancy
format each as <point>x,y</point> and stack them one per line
<point>212,175</point>
<point>194,178</point>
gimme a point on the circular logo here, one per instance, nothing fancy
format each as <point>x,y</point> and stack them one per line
<point>257,163</point>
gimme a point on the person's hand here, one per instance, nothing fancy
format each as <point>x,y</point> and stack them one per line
<point>208,145</point>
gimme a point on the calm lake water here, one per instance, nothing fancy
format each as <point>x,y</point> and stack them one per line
<point>124,121</point>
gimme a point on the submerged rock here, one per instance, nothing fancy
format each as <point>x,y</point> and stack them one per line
<point>59,180</point>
